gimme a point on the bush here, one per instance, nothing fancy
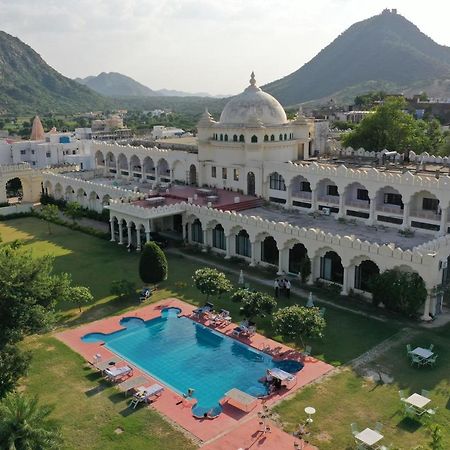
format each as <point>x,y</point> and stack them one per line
<point>257,303</point>
<point>239,295</point>
<point>122,288</point>
<point>211,282</point>
<point>153,266</point>
<point>403,292</point>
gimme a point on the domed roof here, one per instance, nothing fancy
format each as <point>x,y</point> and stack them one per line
<point>253,107</point>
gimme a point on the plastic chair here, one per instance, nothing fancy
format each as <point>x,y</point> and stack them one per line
<point>307,350</point>
<point>408,349</point>
<point>432,360</point>
<point>402,396</point>
<point>378,427</point>
<point>425,393</point>
<point>416,360</point>
<point>355,430</point>
<point>431,347</point>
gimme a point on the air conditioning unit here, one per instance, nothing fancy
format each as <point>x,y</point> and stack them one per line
<point>326,211</point>
<point>444,264</point>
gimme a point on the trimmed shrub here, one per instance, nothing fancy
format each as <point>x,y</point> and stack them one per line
<point>153,266</point>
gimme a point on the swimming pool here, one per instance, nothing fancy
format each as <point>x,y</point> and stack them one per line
<point>183,354</point>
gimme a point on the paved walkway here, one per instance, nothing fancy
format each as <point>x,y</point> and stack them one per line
<point>441,320</point>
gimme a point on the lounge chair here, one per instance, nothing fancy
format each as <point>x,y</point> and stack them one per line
<point>355,430</point>
<point>132,383</point>
<point>206,308</point>
<point>115,374</point>
<point>145,395</point>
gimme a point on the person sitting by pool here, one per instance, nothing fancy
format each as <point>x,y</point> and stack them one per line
<point>190,393</point>
<point>269,378</point>
<point>277,384</point>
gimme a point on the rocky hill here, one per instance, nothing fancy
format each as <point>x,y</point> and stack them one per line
<point>28,84</point>
<point>384,49</point>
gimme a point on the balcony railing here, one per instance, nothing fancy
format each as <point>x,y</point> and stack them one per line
<point>362,204</point>
<point>427,215</point>
<point>392,209</point>
<point>329,199</point>
<point>302,194</point>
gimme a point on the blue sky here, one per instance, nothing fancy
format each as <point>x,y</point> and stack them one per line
<point>197,45</point>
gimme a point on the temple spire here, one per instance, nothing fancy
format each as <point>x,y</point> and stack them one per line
<point>252,79</point>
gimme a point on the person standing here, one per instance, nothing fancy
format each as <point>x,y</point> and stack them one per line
<point>276,286</point>
<point>287,286</point>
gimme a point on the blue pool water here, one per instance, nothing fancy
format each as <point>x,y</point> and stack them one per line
<point>184,354</point>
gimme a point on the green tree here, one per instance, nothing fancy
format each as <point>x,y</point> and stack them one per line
<point>299,322</point>
<point>122,288</point>
<point>80,295</point>
<point>153,266</point>
<point>73,210</point>
<point>25,425</point>
<point>403,292</point>
<point>392,128</point>
<point>50,213</point>
<point>13,365</point>
<point>211,282</point>
<point>257,303</point>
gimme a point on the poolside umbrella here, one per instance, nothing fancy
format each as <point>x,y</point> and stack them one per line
<point>241,277</point>
<point>310,303</point>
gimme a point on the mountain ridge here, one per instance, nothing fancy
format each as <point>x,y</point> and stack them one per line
<point>385,48</point>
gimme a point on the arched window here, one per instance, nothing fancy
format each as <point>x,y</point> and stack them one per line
<point>272,137</point>
<point>218,237</point>
<point>285,136</point>
<point>197,231</point>
<point>226,138</point>
<point>243,246</point>
<point>276,182</point>
<point>254,139</point>
<point>241,138</point>
<point>235,138</point>
<point>266,138</point>
<point>281,137</point>
<point>221,137</point>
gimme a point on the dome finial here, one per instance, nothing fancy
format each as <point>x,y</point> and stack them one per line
<point>252,79</point>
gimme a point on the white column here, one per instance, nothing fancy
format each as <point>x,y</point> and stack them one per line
<point>288,203</point>
<point>111,224</point>
<point>129,234</point>
<point>120,232</point>
<point>341,212</point>
<point>117,169</point>
<point>143,173</point>
<point>147,235</point>
<point>229,240</point>
<point>314,199</point>
<point>205,240</point>
<point>313,274</point>
<point>372,212</point>
<point>406,214</point>
<point>345,281</point>
<point>138,239</point>
<point>281,265</point>
<point>443,227</point>
<point>253,253</point>
<point>426,309</point>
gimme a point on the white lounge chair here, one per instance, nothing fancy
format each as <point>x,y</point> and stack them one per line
<point>132,383</point>
<point>145,395</point>
<point>117,373</point>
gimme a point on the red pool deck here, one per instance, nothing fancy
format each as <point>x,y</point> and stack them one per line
<point>233,429</point>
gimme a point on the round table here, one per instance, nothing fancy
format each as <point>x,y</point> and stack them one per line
<point>310,411</point>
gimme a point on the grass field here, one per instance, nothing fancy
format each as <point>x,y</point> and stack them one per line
<point>340,400</point>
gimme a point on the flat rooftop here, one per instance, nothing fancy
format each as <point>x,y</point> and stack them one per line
<point>379,234</point>
<point>355,162</point>
<point>218,198</point>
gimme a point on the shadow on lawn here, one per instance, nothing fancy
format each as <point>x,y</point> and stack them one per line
<point>409,425</point>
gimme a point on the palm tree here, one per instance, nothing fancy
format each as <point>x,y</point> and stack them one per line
<point>24,425</point>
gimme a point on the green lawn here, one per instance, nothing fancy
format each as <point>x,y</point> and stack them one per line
<point>58,375</point>
<point>347,397</point>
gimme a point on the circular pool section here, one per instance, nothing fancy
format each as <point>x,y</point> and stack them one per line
<point>170,312</point>
<point>94,337</point>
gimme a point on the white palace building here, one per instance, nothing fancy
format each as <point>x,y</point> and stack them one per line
<point>256,189</point>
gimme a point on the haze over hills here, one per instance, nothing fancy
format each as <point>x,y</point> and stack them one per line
<point>29,84</point>
<point>115,84</point>
<point>385,49</point>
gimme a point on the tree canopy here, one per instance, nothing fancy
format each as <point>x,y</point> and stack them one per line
<point>153,266</point>
<point>390,127</point>
<point>297,322</point>
<point>403,292</point>
<point>211,282</point>
<point>257,303</point>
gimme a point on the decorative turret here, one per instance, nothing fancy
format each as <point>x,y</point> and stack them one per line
<point>300,117</point>
<point>37,131</point>
<point>206,120</point>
